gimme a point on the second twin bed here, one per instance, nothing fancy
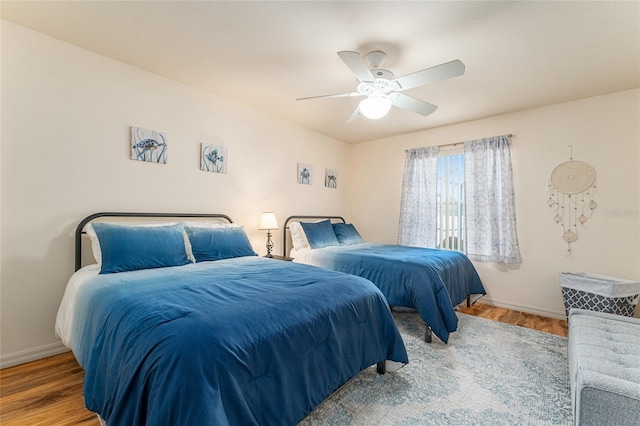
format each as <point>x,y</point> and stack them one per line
<point>432,281</point>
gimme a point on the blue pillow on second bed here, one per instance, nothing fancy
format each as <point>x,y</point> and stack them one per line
<point>320,234</point>
<point>129,248</point>
<point>218,243</point>
<point>347,233</point>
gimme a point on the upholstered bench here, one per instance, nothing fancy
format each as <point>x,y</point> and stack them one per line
<point>604,368</point>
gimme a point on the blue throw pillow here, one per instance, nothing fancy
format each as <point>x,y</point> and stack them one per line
<point>346,233</point>
<point>129,248</point>
<point>218,243</point>
<point>320,234</point>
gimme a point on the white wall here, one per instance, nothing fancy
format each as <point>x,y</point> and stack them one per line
<point>66,114</point>
<point>65,122</point>
<point>604,131</point>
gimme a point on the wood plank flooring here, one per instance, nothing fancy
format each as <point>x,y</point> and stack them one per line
<point>49,391</point>
<point>522,319</point>
<point>44,392</point>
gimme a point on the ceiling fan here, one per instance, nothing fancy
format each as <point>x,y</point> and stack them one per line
<point>382,89</point>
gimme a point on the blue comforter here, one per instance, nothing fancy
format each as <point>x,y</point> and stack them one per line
<point>232,342</point>
<point>431,281</point>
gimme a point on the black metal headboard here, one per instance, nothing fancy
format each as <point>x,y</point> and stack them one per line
<point>83,223</point>
<point>303,219</point>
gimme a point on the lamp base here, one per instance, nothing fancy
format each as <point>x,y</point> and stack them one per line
<point>269,244</point>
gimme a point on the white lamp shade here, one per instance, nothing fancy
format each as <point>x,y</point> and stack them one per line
<point>375,107</point>
<point>268,221</point>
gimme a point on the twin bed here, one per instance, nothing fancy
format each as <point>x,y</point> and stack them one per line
<point>184,324</point>
<point>431,281</point>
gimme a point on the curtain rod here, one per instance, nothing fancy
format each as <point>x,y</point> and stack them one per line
<point>510,135</point>
<point>458,143</point>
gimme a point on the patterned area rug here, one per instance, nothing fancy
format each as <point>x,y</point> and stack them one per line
<point>489,374</point>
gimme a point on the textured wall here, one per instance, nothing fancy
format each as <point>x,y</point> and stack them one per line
<point>604,131</point>
<point>66,114</point>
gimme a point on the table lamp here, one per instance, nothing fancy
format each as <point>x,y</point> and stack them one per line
<point>269,222</point>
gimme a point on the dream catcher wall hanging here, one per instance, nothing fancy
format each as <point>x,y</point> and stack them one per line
<point>571,196</point>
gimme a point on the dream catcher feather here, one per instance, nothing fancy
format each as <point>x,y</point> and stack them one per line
<point>572,197</point>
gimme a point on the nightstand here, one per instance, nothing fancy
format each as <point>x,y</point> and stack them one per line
<point>285,258</point>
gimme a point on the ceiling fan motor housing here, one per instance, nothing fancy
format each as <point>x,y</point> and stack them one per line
<point>382,85</point>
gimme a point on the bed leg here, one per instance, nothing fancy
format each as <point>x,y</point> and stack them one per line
<point>468,301</point>
<point>381,367</point>
<point>428,335</point>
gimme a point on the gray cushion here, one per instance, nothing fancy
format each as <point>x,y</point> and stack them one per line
<point>604,364</point>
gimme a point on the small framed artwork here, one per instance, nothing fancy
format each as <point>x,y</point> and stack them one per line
<point>330,178</point>
<point>305,172</point>
<point>148,145</point>
<point>213,158</point>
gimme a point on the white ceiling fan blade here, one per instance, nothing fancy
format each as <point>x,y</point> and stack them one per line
<point>356,115</point>
<point>338,95</point>
<point>431,75</point>
<point>357,65</point>
<point>412,104</point>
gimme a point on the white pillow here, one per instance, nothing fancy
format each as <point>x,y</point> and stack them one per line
<point>298,237</point>
<point>95,244</point>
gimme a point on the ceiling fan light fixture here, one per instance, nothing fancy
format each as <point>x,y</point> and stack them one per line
<point>382,89</point>
<point>375,107</point>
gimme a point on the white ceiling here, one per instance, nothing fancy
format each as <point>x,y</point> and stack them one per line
<point>265,54</point>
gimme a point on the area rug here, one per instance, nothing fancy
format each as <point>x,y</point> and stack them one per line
<point>489,374</point>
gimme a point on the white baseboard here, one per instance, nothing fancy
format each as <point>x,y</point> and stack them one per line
<point>523,308</point>
<point>27,355</point>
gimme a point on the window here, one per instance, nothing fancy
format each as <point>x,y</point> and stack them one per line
<point>461,200</point>
<point>450,221</point>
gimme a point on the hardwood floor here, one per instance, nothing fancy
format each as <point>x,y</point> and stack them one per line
<point>522,319</point>
<point>49,391</point>
<point>44,392</point>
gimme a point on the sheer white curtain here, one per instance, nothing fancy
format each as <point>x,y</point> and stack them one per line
<point>489,201</point>
<point>418,207</point>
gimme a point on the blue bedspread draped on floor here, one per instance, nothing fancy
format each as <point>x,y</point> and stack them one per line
<point>430,280</point>
<point>237,341</point>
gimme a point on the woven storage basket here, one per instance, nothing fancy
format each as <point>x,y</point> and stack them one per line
<point>599,293</point>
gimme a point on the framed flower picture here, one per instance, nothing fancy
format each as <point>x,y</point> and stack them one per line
<point>305,172</point>
<point>213,158</point>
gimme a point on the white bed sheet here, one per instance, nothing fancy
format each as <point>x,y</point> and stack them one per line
<point>66,311</point>
<point>307,254</point>
<point>299,254</point>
